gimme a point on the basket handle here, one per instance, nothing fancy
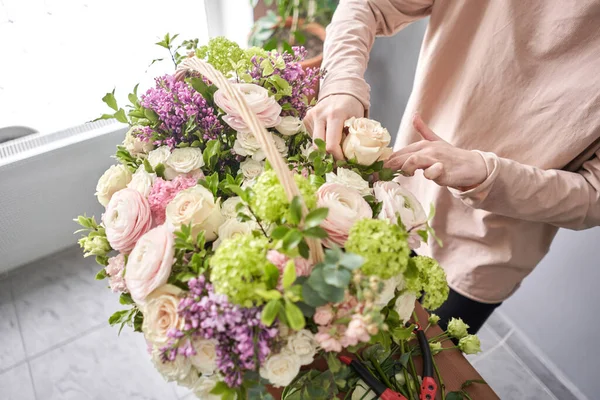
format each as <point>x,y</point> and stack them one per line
<point>259,131</point>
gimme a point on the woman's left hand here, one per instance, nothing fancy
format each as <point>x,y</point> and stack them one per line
<point>441,162</point>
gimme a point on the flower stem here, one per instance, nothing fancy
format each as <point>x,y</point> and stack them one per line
<point>440,380</point>
<point>406,378</point>
<point>381,373</point>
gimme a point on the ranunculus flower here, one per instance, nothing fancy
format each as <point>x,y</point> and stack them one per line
<point>264,106</point>
<point>114,179</point>
<point>251,168</point>
<point>346,206</point>
<point>196,206</point>
<point>231,228</point>
<point>405,305</point>
<point>281,369</point>
<point>304,345</point>
<point>289,126</point>
<point>114,270</point>
<point>136,146</point>
<point>400,202</point>
<point>149,264</point>
<point>177,370</point>
<point>126,219</point>
<point>246,144</point>
<point>350,179</point>
<point>457,328</point>
<point>205,359</point>
<point>367,141</point>
<point>161,314</point>
<point>204,385</point>
<point>323,315</point>
<point>183,161</point>
<point>142,181</point>
<point>159,156</point>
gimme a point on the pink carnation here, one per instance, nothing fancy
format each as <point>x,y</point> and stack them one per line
<point>163,192</point>
<point>357,332</point>
<point>303,267</point>
<point>114,270</point>
<point>327,341</point>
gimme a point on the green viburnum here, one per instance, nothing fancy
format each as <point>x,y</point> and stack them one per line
<point>94,245</point>
<point>240,267</point>
<point>382,244</point>
<point>457,328</point>
<point>470,344</point>
<point>221,53</point>
<point>269,201</point>
<point>434,319</point>
<point>435,347</point>
<point>431,279</point>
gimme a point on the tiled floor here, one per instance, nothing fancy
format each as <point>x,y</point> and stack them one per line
<point>57,345</point>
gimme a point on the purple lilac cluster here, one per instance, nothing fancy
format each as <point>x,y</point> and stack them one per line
<point>303,82</point>
<point>243,341</point>
<point>178,106</point>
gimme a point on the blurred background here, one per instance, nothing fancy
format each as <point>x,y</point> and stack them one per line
<point>57,60</point>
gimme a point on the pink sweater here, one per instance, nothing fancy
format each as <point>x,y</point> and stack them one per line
<point>517,80</point>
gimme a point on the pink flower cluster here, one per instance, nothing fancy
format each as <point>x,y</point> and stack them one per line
<point>114,270</point>
<point>163,192</point>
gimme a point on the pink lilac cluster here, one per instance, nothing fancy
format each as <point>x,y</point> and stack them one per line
<point>243,341</point>
<point>303,82</point>
<point>184,114</point>
<point>114,270</point>
<point>163,192</point>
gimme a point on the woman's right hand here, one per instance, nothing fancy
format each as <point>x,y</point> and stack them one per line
<point>326,120</point>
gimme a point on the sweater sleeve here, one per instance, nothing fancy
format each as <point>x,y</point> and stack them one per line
<point>564,199</point>
<point>350,37</point>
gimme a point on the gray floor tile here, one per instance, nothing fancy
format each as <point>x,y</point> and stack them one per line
<point>498,324</point>
<point>11,351</point>
<point>57,299</point>
<point>509,378</point>
<point>15,384</point>
<point>100,366</point>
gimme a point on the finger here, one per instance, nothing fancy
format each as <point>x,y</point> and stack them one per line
<point>417,161</point>
<point>318,130</point>
<point>396,160</point>
<point>333,139</point>
<point>424,130</point>
<point>308,124</point>
<point>434,172</point>
<point>412,148</point>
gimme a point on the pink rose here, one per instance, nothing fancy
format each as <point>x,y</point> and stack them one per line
<point>323,315</point>
<point>346,206</point>
<point>126,219</point>
<point>265,107</point>
<point>149,264</point>
<point>303,267</point>
<point>399,202</point>
<point>114,270</point>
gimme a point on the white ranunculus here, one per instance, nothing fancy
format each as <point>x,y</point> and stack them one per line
<point>229,206</point>
<point>247,145</point>
<point>205,359</point>
<point>161,314</point>
<point>405,305</point>
<point>231,228</point>
<point>304,345</point>
<point>172,371</point>
<point>142,181</point>
<point>183,161</point>
<point>136,146</point>
<point>204,385</point>
<point>196,206</point>
<point>114,179</point>
<point>350,179</point>
<point>367,141</point>
<point>389,290</point>
<point>251,168</point>
<point>281,369</point>
<point>289,126</point>
<point>159,156</point>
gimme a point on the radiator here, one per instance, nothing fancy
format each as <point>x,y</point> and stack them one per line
<point>46,180</point>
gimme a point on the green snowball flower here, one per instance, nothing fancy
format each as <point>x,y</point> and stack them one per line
<point>382,244</point>
<point>269,201</point>
<point>457,328</point>
<point>221,53</point>
<point>429,277</point>
<point>470,344</point>
<point>94,245</point>
<point>239,268</point>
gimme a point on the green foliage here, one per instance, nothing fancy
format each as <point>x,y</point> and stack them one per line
<point>127,159</point>
<point>312,385</point>
<point>94,243</point>
<point>119,113</point>
<point>132,317</point>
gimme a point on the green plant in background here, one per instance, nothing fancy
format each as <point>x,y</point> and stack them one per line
<point>270,31</point>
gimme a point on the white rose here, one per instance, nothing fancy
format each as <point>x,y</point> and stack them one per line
<point>177,370</point>
<point>281,369</point>
<point>405,305</point>
<point>246,145</point>
<point>231,228</point>
<point>159,156</point>
<point>190,380</point>
<point>183,161</point>
<point>136,146</point>
<point>389,290</point>
<point>204,385</point>
<point>350,179</point>
<point>160,314</point>
<point>196,206</point>
<point>229,207</point>
<point>289,126</point>
<point>142,181</point>
<point>304,345</point>
<point>114,179</point>
<point>251,168</point>
<point>205,359</point>
<point>367,141</point>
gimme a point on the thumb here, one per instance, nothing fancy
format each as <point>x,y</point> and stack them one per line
<point>424,130</point>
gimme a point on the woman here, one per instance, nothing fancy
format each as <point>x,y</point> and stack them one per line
<point>512,91</point>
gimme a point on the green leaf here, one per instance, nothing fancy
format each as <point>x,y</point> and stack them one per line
<point>470,382</point>
<point>220,388</point>
<point>333,362</point>
<point>387,174</point>
<point>289,275</point>
<point>272,274</point>
<point>300,37</point>
<point>423,234</point>
<point>303,249</point>
<point>404,358</point>
<point>147,166</point>
<point>279,232</point>
<point>121,117</point>
<point>102,260</point>
<point>109,99</point>
<point>316,232</point>
<point>118,317</point>
<point>151,115</point>
<point>201,87</point>
<point>455,396</point>
<point>294,316</point>
<point>269,312</point>
<point>320,143</point>
<point>101,275</point>
<point>160,170</point>
<point>267,67</point>
<point>296,210</point>
<point>402,333</point>
<point>287,48</point>
<point>337,277</point>
<point>292,239</point>
<point>211,153</point>
<point>311,297</point>
<point>125,299</point>
<point>315,217</point>
<point>351,261</point>
<point>268,294</point>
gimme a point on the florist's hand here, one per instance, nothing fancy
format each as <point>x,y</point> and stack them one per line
<point>441,162</point>
<point>326,120</point>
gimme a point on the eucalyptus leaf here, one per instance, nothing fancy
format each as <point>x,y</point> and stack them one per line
<point>351,261</point>
<point>337,277</point>
<point>311,297</point>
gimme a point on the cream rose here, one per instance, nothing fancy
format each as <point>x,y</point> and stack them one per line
<point>142,181</point>
<point>127,218</point>
<point>183,161</point>
<point>281,369</point>
<point>251,169</point>
<point>304,345</point>
<point>346,206</point>
<point>149,264</point>
<point>367,141</point>
<point>114,179</point>
<point>247,145</point>
<point>136,146</point>
<point>229,207</point>
<point>231,228</point>
<point>161,314</point>
<point>205,359</point>
<point>264,106</point>
<point>349,179</point>
<point>172,371</point>
<point>405,305</point>
<point>159,156</point>
<point>289,126</point>
<point>204,385</point>
<point>196,206</point>
<point>190,380</point>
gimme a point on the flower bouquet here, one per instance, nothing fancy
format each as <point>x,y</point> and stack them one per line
<point>249,258</point>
